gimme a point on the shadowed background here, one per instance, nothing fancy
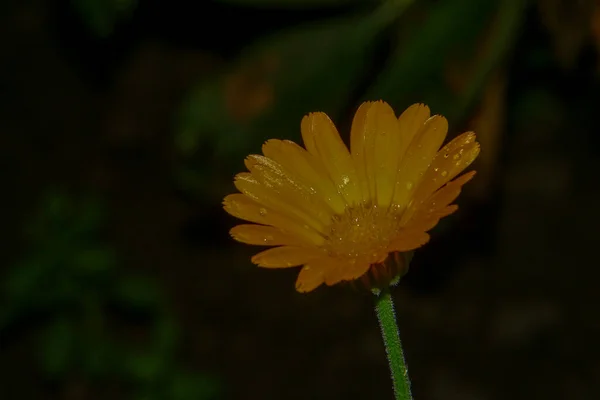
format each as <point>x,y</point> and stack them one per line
<point>123,122</point>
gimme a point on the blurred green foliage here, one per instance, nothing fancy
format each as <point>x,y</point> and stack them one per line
<point>93,321</point>
<point>329,65</point>
<point>101,16</point>
<point>296,4</point>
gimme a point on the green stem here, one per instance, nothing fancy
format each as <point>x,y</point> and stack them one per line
<point>391,339</point>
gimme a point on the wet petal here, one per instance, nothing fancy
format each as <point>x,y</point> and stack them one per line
<point>311,276</point>
<point>419,155</point>
<point>362,146</point>
<point>409,239</point>
<point>273,198</point>
<point>289,188</point>
<point>323,141</point>
<point>345,270</point>
<point>378,132</point>
<point>307,168</point>
<point>286,256</point>
<point>450,161</point>
<point>241,206</point>
<point>410,122</point>
<point>436,204</point>
<point>263,235</point>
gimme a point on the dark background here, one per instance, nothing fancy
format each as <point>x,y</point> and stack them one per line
<point>122,125</point>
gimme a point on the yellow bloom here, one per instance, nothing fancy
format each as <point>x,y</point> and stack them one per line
<point>341,213</point>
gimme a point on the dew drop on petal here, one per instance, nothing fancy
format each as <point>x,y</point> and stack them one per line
<point>409,185</point>
<point>345,179</point>
<point>262,212</point>
<point>444,173</point>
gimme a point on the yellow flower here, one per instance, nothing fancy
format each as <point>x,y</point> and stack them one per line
<point>341,213</point>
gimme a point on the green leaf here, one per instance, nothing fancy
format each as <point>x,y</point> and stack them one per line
<point>275,83</point>
<point>144,367</point>
<point>94,260</point>
<point>165,335</point>
<point>24,279</point>
<point>138,293</point>
<point>57,354</point>
<point>415,70</point>
<point>296,4</point>
<point>98,355</point>
<point>101,16</point>
<point>186,386</point>
<point>508,21</point>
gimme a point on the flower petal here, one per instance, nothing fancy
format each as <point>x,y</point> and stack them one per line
<point>409,239</point>
<point>436,205</point>
<point>376,141</point>
<point>418,157</point>
<point>450,161</point>
<point>241,206</point>
<point>307,168</point>
<point>310,277</point>
<point>263,235</point>
<point>410,122</point>
<point>286,256</point>
<point>362,146</point>
<point>345,270</point>
<point>276,200</point>
<point>323,141</point>
<point>291,190</point>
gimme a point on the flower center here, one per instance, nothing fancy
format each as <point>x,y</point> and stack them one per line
<point>364,231</point>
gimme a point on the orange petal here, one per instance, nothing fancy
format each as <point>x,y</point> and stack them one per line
<point>345,270</point>
<point>362,146</point>
<point>286,256</point>
<point>323,141</point>
<point>448,162</point>
<point>264,235</point>
<point>277,200</point>
<point>437,205</point>
<point>289,188</point>
<point>241,206</point>
<point>310,277</point>
<point>375,141</point>
<point>409,239</point>
<point>307,168</point>
<point>410,122</point>
<point>418,157</point>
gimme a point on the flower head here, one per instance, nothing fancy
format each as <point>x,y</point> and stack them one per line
<point>340,214</point>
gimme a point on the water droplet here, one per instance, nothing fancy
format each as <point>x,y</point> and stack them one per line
<point>457,156</point>
<point>262,212</point>
<point>446,155</point>
<point>268,239</point>
<point>409,185</point>
<point>312,190</point>
<point>444,173</point>
<point>435,169</point>
<point>345,179</point>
